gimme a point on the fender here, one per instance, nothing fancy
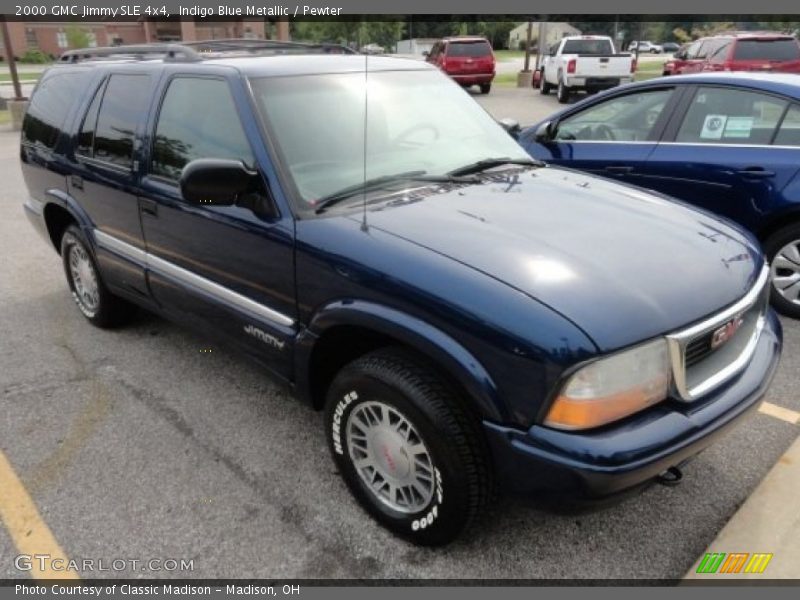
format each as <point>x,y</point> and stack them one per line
<point>458,362</point>
<point>68,203</point>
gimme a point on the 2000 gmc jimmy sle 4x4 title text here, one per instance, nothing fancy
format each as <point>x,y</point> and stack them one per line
<point>466,317</point>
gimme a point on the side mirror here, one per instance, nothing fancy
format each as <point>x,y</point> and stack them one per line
<point>544,133</point>
<point>215,181</point>
<point>511,126</point>
<point>425,53</point>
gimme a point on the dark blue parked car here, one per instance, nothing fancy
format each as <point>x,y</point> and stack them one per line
<point>465,316</point>
<point>727,142</point>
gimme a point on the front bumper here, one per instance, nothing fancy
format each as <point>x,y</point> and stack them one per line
<point>628,453</point>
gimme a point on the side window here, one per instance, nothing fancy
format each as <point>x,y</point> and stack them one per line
<point>51,103</point>
<point>693,50</point>
<point>720,54</point>
<point>124,103</point>
<point>628,118</point>
<point>789,132</point>
<point>198,119</point>
<point>729,116</point>
<point>86,133</point>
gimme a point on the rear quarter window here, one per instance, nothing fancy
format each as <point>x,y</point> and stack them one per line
<point>468,49</point>
<point>51,103</point>
<point>786,49</point>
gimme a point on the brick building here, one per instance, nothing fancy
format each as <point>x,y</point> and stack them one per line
<point>51,36</point>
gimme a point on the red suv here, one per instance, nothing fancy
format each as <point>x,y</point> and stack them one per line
<point>756,52</point>
<point>751,51</point>
<point>468,60</point>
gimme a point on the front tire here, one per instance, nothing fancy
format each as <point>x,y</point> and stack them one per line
<point>783,251</point>
<point>410,453</point>
<point>96,303</point>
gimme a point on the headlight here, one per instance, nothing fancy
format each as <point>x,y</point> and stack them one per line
<point>613,387</point>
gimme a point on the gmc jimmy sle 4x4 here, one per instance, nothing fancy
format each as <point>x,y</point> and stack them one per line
<point>466,317</point>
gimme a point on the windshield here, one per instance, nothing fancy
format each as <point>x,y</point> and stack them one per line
<point>786,49</point>
<point>409,121</point>
<point>596,47</point>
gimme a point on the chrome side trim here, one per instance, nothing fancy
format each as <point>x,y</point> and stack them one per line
<point>215,290</point>
<point>678,341</point>
<point>657,143</point>
<point>109,242</point>
<point>34,205</point>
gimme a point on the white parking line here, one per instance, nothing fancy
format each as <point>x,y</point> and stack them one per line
<point>779,412</point>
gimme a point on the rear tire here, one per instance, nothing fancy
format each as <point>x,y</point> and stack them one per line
<point>100,307</point>
<point>486,88</point>
<point>563,92</point>
<point>783,251</point>
<point>409,451</point>
<point>544,87</point>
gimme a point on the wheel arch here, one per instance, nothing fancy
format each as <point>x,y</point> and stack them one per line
<point>59,212</point>
<point>344,330</point>
<point>780,220</point>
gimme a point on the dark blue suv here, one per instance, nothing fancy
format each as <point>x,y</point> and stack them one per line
<point>467,318</point>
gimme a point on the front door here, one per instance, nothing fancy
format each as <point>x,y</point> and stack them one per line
<point>612,137</point>
<point>227,269</point>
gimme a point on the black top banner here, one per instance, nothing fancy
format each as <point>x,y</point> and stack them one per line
<point>105,9</point>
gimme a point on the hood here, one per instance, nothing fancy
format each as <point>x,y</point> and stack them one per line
<point>622,264</point>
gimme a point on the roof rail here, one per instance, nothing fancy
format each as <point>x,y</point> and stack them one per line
<point>197,51</point>
<point>257,46</point>
<point>176,52</point>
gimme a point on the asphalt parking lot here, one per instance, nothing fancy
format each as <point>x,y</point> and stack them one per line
<point>151,442</point>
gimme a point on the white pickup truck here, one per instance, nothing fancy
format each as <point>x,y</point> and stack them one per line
<point>584,62</point>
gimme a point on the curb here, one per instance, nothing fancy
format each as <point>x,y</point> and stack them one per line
<point>768,522</point>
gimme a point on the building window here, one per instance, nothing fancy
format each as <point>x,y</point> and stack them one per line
<point>61,38</point>
<point>30,38</point>
<point>92,38</point>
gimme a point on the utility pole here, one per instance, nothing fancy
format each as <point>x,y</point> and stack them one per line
<point>528,47</point>
<point>12,65</point>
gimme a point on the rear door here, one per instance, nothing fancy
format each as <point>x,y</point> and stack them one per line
<point>720,152</point>
<point>613,136</point>
<point>226,269</point>
<point>105,171</point>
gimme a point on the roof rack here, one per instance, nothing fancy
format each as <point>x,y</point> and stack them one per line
<point>176,52</point>
<point>200,50</point>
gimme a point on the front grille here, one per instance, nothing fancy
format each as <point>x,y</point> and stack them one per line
<point>697,350</point>
<point>708,354</point>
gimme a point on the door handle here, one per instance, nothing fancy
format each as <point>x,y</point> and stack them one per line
<point>76,181</point>
<point>148,206</point>
<point>619,170</point>
<point>755,173</point>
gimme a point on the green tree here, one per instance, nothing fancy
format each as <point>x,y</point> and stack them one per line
<point>77,38</point>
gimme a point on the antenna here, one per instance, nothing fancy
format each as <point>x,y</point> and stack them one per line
<point>366,108</point>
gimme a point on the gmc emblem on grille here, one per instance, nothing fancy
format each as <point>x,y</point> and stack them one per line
<point>726,332</point>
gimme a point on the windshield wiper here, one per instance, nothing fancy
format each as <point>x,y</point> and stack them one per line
<point>488,163</point>
<point>384,180</point>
